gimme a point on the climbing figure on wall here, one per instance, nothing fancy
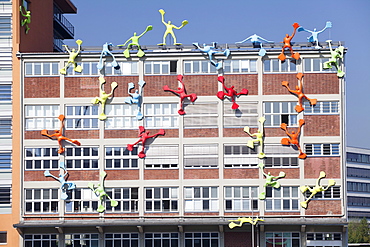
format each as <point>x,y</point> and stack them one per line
<point>62,178</point>
<point>136,97</point>
<point>336,57</point>
<point>293,138</point>
<point>71,60</point>
<point>107,51</point>
<point>135,42</point>
<point>27,15</point>
<point>270,181</point>
<point>258,137</point>
<point>314,37</point>
<point>211,51</point>
<point>103,96</point>
<point>230,92</point>
<point>100,192</point>
<point>169,29</point>
<point>287,44</point>
<point>241,220</point>
<point>143,135</point>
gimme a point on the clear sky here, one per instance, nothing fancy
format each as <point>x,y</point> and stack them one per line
<point>100,21</point>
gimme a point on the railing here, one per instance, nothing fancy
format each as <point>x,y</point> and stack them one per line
<point>58,45</point>
<point>59,17</point>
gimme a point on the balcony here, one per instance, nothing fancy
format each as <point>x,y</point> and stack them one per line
<point>62,26</point>
<point>58,45</point>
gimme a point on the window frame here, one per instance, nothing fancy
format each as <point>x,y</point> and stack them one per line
<point>39,158</point>
<point>87,203</point>
<point>309,65</point>
<point>201,115</point>
<point>192,238</point>
<point>151,115</point>
<point>319,108</point>
<point>91,117</point>
<point>53,201</point>
<point>171,239</point>
<point>251,197</point>
<point>42,117</point>
<point>130,238</point>
<point>273,198</point>
<point>162,157</point>
<point>30,69</point>
<point>319,149</point>
<point>121,116</point>
<point>124,154</point>
<point>157,198</point>
<point>194,199</point>
<point>131,200</point>
<point>291,237</point>
<point>202,156</point>
<point>51,238</point>
<point>283,66</point>
<point>244,158</point>
<point>245,115</point>
<point>290,114</point>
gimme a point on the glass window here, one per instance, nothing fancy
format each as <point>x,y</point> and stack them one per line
<point>162,157</point>
<point>201,156</point>
<point>201,199</point>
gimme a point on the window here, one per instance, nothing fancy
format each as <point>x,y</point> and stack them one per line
<point>41,158</point>
<point>39,117</point>
<point>5,92</point>
<point>357,172</point>
<point>277,113</point>
<point>322,107</point>
<point>316,65</point>
<point>82,117</point>
<point>198,199</point>
<point>42,69</point>
<point>246,115</point>
<point>160,67</point>
<point>121,239</point>
<point>33,240</point>
<point>162,156</point>
<point>275,239</point>
<point>275,65</point>
<point>324,239</point>
<point>201,156</point>
<point>240,66</point>
<point>81,200</point>
<point>88,68</point>
<point>239,199</point>
<point>281,162</point>
<point>127,198</point>
<point>82,158</point>
<point>199,67</point>
<point>161,199</point>
<point>280,156</point>
<point>239,156</point>
<point>358,201</point>
<point>5,160</point>
<point>3,237</point>
<point>200,115</point>
<point>120,158</point>
<point>5,26</point>
<point>161,116</point>
<point>332,193</point>
<point>5,195</point>
<point>282,199</point>
<point>121,116</point>
<point>162,239</point>
<point>5,128</point>
<point>77,240</point>
<point>322,149</point>
<point>126,68</point>
<point>204,239</point>
<point>42,201</point>
<point>362,158</point>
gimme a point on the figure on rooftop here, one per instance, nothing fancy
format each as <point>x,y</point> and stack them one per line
<point>287,44</point>
<point>136,97</point>
<point>293,138</point>
<point>107,47</point>
<point>103,96</point>
<point>257,42</point>
<point>335,59</point>
<point>211,51</point>
<point>230,92</point>
<point>143,135</point>
<point>62,178</point>
<point>314,34</point>
<point>135,42</point>
<point>71,60</point>
<point>169,29</point>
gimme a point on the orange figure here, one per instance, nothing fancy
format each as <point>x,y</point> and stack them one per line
<point>287,44</point>
<point>299,93</point>
<point>230,92</point>
<point>144,135</point>
<point>59,135</point>
<point>293,138</point>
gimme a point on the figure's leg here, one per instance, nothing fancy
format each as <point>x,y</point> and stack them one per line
<point>285,141</point>
<point>100,63</point>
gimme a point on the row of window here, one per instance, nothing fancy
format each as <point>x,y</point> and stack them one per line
<point>358,187</point>
<point>358,172</point>
<point>358,201</point>
<point>166,199</point>
<point>360,158</point>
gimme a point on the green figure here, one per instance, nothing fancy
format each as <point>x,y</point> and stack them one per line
<point>258,137</point>
<point>336,54</point>
<point>103,96</point>
<point>135,42</point>
<point>100,192</point>
<point>71,60</point>
<point>169,29</point>
<point>270,181</point>
<point>243,220</point>
<point>318,188</point>
<point>27,20</point>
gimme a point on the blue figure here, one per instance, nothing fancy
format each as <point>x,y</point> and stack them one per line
<point>62,179</point>
<point>314,34</point>
<point>104,52</point>
<point>257,42</point>
<point>210,50</point>
<point>136,97</point>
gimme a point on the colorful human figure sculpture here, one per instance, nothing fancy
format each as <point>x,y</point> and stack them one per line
<point>100,192</point>
<point>287,44</point>
<point>107,51</point>
<point>258,137</point>
<point>169,29</point>
<point>135,42</point>
<point>314,34</point>
<point>27,15</point>
<point>71,60</point>
<point>103,96</point>
<point>62,178</point>
<point>293,138</point>
<point>143,135</point>
<point>59,135</point>
<point>230,92</point>
<point>270,181</point>
<point>211,51</point>
<point>241,220</point>
<point>136,97</point>
<point>299,93</point>
<point>316,189</point>
<point>257,42</point>
<point>336,55</point>
<point>181,92</point>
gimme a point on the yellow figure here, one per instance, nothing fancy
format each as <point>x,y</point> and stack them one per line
<point>258,137</point>
<point>318,188</point>
<point>242,220</point>
<point>71,60</point>
<point>169,29</point>
<point>103,96</point>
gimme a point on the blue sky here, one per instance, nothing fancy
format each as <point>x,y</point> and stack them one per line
<point>100,21</point>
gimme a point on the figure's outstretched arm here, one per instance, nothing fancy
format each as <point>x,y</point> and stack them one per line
<point>20,9</point>
<point>268,41</point>
<point>162,14</point>
<point>148,28</point>
<point>184,22</point>
<point>328,25</point>
<point>300,29</point>
<point>295,26</point>
<point>66,47</point>
<point>245,40</point>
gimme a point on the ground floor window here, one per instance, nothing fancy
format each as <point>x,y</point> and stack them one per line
<point>275,239</point>
<point>204,239</point>
<point>162,239</point>
<point>33,240</point>
<point>121,239</point>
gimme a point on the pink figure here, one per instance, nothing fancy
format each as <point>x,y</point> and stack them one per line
<point>144,135</point>
<point>181,92</point>
<point>293,138</point>
<point>230,92</point>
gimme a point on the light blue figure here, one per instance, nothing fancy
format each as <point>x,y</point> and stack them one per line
<point>104,52</point>
<point>257,42</point>
<point>136,97</point>
<point>314,34</point>
<point>211,50</point>
<point>62,179</point>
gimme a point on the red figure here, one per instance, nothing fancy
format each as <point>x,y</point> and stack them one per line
<point>293,138</point>
<point>299,93</point>
<point>181,92</point>
<point>59,135</point>
<point>230,92</point>
<point>287,44</point>
<point>144,135</point>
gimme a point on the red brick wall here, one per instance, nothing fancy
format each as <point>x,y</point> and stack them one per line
<point>210,132</point>
<point>273,132</point>
<point>82,134</point>
<point>322,125</point>
<point>170,133</point>
<point>154,85</point>
<point>324,207</point>
<point>272,83</point>
<point>42,87</point>
<point>239,239</point>
<point>238,132</point>
<point>74,175</point>
<point>126,174</point>
<point>240,173</point>
<point>36,134</point>
<point>239,82</point>
<point>314,165</point>
<point>201,174</point>
<point>290,173</point>
<point>161,174</point>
